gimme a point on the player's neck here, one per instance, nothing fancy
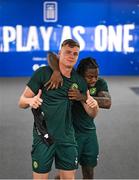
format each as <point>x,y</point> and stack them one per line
<point>65,71</point>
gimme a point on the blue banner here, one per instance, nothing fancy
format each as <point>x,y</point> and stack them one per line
<point>106,30</point>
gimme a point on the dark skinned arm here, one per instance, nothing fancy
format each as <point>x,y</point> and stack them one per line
<point>103,99</point>
<point>89,103</point>
<point>56,79</point>
<point>75,94</point>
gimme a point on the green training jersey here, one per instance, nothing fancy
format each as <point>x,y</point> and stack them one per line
<point>56,105</point>
<point>82,122</point>
<point>101,85</point>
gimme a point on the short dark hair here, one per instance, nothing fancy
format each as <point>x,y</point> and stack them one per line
<point>70,42</point>
<point>86,63</point>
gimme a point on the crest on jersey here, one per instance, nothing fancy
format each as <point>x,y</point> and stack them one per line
<point>92,91</point>
<point>74,86</point>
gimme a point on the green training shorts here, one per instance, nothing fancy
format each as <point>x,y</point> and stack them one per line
<point>88,148</point>
<point>65,156</point>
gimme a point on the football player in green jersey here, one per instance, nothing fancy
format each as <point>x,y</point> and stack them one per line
<point>86,130</point>
<point>56,109</point>
<point>84,125</point>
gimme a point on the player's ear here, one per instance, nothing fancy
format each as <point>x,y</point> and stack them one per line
<point>59,53</point>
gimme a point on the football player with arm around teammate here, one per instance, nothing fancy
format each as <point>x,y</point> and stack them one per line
<point>83,124</point>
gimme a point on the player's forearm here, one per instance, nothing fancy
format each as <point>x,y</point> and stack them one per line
<point>92,112</point>
<point>83,98</point>
<point>103,102</point>
<point>24,102</point>
<point>53,61</point>
<point>104,99</point>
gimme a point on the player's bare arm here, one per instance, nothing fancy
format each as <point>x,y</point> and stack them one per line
<point>56,79</point>
<point>75,94</point>
<point>89,103</point>
<point>29,99</point>
<point>103,99</point>
<point>91,106</point>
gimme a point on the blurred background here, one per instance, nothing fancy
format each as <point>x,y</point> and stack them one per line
<point>107,30</point>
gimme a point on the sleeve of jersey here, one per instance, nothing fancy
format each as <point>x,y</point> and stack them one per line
<point>36,81</point>
<point>104,86</point>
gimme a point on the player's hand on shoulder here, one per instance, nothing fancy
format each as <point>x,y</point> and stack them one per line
<point>55,81</point>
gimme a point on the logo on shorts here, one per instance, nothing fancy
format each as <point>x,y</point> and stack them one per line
<point>74,86</point>
<point>97,157</point>
<point>92,91</point>
<point>35,164</point>
<point>76,161</point>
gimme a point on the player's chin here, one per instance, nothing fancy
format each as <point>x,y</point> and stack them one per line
<point>91,85</point>
<point>70,65</point>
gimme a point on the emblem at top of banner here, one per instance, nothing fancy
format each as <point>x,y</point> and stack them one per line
<point>50,11</point>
